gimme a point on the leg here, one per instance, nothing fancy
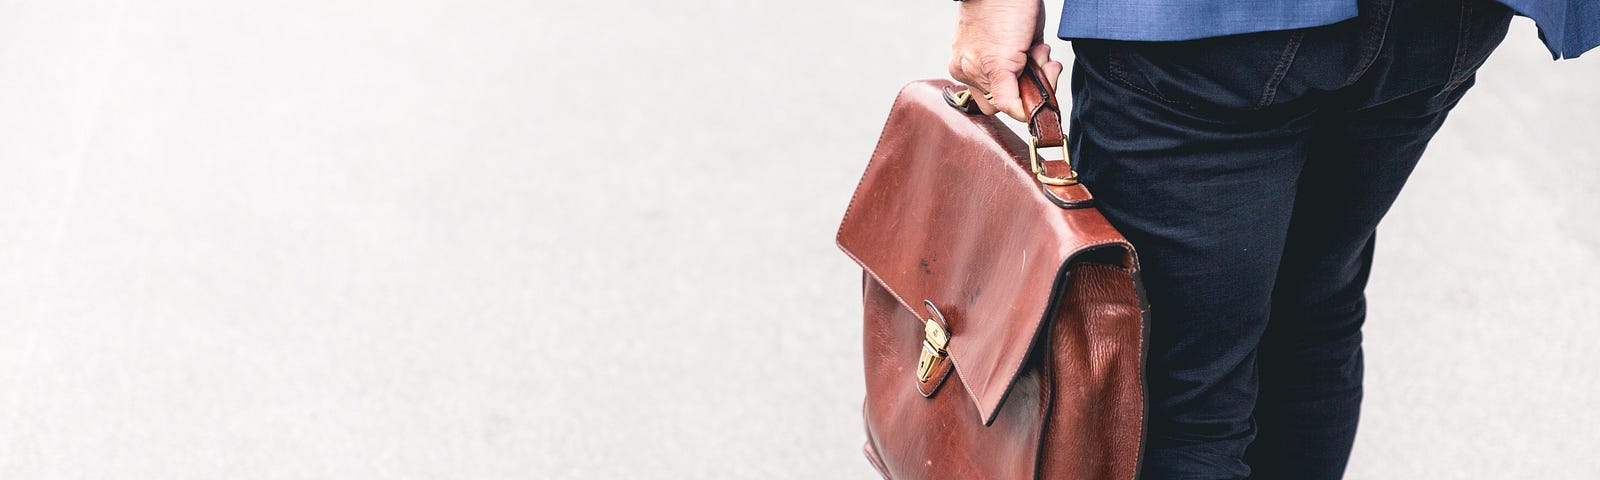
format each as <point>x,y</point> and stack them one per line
<point>1205,193</point>
<point>1310,357</point>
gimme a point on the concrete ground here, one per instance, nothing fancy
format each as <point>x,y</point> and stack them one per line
<point>593,240</point>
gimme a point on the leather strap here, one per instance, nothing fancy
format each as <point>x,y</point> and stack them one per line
<point>1044,114</point>
<point>1045,125</point>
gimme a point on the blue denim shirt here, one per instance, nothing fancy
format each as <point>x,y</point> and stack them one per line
<point>1568,27</point>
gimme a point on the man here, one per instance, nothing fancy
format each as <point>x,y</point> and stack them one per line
<point>1248,150</point>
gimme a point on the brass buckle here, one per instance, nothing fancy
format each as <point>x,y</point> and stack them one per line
<point>1038,168</point>
<point>963,96</point>
<point>934,341</point>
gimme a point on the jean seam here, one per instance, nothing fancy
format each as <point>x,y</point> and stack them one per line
<point>1121,74</point>
<point>1290,49</point>
<point>1463,37</point>
<point>1376,31</point>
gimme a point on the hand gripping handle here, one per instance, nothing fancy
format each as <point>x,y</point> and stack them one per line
<point>1044,124</point>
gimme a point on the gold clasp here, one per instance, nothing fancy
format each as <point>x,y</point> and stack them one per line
<point>1038,167</point>
<point>963,96</point>
<point>934,341</point>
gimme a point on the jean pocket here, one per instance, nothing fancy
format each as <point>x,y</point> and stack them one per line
<point>1235,72</point>
<point>1483,25</point>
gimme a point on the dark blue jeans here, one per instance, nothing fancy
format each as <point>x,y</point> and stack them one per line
<point>1251,171</point>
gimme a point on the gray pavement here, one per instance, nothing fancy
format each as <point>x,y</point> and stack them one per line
<point>593,240</point>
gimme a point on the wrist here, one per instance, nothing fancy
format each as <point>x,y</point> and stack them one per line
<point>995,2</point>
<point>1019,6</point>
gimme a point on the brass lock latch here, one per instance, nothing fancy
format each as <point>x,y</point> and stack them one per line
<point>934,341</point>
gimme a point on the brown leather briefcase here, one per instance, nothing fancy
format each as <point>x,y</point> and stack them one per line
<point>1005,322</point>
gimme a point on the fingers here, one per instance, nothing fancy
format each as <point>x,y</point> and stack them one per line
<point>982,100</point>
<point>1052,73</point>
<point>1040,55</point>
<point>1003,93</point>
<point>998,78</point>
<point>966,73</point>
<point>992,43</point>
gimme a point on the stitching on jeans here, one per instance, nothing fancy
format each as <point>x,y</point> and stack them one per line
<point>1463,37</point>
<point>1270,91</point>
<point>1380,20</point>
<point>1121,75</point>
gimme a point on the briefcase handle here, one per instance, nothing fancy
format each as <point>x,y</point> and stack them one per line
<point>1044,124</point>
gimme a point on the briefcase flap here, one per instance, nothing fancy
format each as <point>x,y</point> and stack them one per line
<point>947,212</point>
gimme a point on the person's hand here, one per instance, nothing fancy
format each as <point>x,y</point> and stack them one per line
<point>993,40</point>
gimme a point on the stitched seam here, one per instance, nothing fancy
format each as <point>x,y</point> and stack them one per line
<point>1464,30</point>
<point>1121,74</point>
<point>1144,385</point>
<point>1270,91</point>
<point>838,235</point>
<point>1124,273</point>
<point>1373,29</point>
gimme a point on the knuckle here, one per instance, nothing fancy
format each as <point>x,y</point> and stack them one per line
<point>1002,64</point>
<point>959,68</point>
